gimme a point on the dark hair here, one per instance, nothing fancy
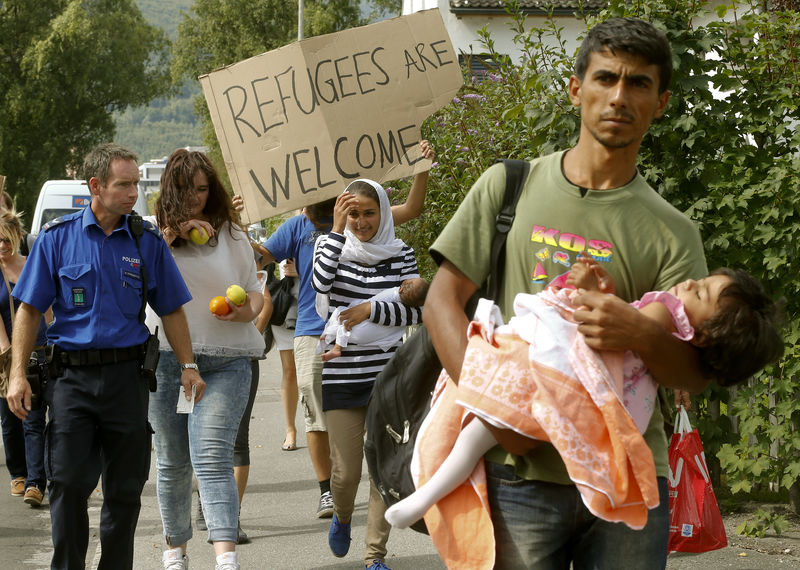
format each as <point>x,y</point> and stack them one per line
<point>97,163</point>
<point>172,207</point>
<point>364,189</point>
<point>413,292</point>
<point>742,337</point>
<point>632,36</point>
<point>320,212</point>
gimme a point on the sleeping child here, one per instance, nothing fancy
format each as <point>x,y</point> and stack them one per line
<point>410,293</point>
<point>727,316</point>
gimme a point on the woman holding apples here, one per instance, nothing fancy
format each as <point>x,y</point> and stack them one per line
<point>213,253</point>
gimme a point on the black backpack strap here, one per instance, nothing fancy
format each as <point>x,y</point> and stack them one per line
<point>136,225</point>
<point>516,175</point>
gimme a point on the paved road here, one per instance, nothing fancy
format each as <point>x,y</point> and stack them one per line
<point>278,514</point>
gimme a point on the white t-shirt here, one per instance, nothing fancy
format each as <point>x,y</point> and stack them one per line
<point>208,272</point>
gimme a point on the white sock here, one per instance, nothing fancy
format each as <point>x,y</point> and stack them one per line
<point>229,557</point>
<point>173,554</point>
<point>408,511</point>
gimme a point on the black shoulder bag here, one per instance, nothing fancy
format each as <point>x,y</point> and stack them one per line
<point>281,292</point>
<point>401,396</point>
<point>150,353</point>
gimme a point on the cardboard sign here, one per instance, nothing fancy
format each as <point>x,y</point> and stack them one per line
<point>297,124</point>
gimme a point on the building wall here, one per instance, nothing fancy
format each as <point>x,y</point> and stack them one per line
<point>464,30</point>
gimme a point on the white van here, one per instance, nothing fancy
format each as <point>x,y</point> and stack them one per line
<point>61,197</point>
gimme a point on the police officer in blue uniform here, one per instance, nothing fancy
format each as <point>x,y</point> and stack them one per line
<point>94,269</point>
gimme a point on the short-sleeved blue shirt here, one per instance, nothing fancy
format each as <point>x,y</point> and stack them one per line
<point>295,238</point>
<point>94,282</point>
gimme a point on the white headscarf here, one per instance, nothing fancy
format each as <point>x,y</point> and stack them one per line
<point>383,245</point>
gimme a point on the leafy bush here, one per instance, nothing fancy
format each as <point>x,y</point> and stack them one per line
<point>764,521</point>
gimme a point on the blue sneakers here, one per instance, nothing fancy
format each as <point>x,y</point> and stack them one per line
<point>377,565</point>
<point>339,537</point>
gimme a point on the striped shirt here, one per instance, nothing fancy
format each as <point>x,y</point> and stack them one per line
<point>347,381</point>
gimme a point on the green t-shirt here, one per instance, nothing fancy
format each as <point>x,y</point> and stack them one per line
<point>643,241</point>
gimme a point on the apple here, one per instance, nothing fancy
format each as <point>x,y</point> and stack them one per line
<point>236,294</point>
<point>219,306</point>
<point>198,236</point>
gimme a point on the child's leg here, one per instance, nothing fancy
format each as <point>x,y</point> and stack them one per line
<point>342,336</point>
<point>334,352</point>
<point>472,443</point>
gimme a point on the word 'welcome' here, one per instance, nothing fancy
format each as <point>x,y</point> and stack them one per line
<point>297,124</point>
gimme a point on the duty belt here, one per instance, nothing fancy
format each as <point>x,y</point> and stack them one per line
<point>97,356</point>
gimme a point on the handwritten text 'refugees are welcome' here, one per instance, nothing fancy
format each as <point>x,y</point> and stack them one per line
<point>267,105</point>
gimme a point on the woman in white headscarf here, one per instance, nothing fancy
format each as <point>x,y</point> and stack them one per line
<point>356,260</point>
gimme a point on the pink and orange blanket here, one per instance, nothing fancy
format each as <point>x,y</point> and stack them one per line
<point>537,377</point>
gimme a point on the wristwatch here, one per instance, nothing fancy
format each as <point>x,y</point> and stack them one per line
<point>192,365</point>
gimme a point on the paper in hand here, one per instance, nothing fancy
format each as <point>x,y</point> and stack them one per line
<point>185,406</point>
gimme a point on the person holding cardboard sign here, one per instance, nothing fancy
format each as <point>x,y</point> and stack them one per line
<point>295,239</point>
<point>359,257</point>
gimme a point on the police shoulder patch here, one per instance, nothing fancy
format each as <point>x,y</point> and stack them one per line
<point>151,227</point>
<point>53,223</point>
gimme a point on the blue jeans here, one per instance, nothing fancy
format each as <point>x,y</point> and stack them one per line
<point>201,442</point>
<point>545,526</point>
<point>24,444</point>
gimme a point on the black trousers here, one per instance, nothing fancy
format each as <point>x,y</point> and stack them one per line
<point>241,447</point>
<point>98,425</point>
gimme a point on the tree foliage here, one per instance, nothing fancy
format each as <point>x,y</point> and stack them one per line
<point>725,152</point>
<point>65,67</point>
<point>380,9</point>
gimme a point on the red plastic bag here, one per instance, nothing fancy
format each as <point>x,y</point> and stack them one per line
<point>695,523</point>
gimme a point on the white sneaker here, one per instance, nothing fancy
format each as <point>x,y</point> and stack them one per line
<point>175,559</point>
<point>227,561</point>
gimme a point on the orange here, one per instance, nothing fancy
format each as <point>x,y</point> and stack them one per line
<point>219,306</point>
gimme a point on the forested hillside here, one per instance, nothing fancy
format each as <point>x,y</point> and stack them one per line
<point>164,13</point>
<point>165,124</point>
